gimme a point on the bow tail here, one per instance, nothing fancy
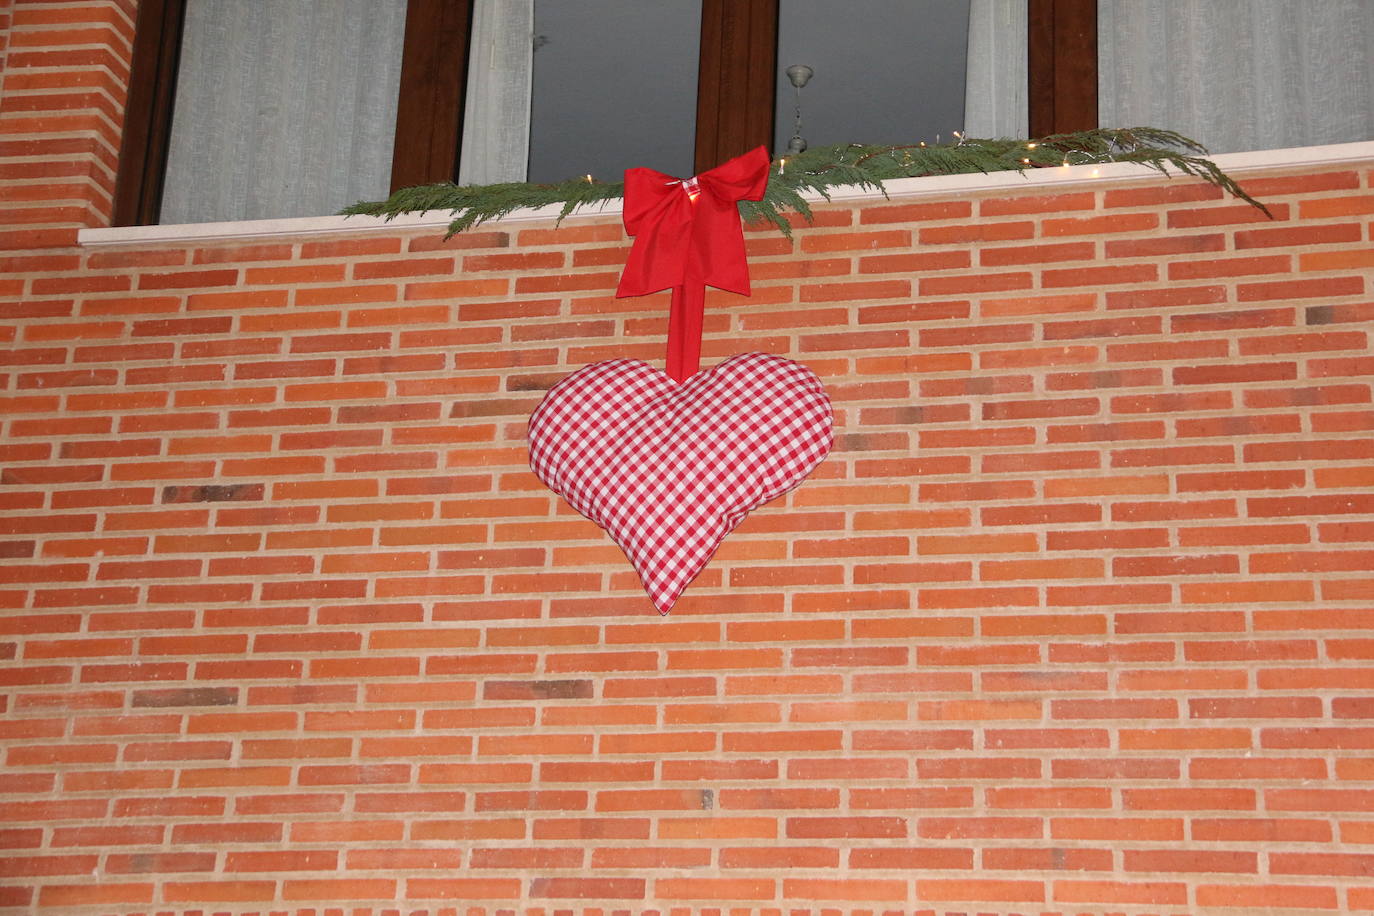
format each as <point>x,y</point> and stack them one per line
<point>684,329</point>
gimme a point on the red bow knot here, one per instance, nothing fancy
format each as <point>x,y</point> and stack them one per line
<point>687,237</point>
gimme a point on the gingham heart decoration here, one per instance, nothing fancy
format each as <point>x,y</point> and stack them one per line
<point>669,469</point>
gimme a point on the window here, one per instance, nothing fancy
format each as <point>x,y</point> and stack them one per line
<point>308,126</point>
<point>734,83</point>
<point>885,71</point>
<point>614,87</point>
<point>1261,74</point>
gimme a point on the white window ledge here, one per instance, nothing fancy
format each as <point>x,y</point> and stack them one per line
<point>1234,164</point>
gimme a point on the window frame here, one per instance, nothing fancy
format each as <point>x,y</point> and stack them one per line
<point>146,137</point>
<point>429,107</point>
<point>1061,66</point>
<point>735,88</point>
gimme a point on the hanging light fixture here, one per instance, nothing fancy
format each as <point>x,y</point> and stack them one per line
<point>799,75</point>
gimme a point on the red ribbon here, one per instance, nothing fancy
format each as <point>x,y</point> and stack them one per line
<point>687,237</point>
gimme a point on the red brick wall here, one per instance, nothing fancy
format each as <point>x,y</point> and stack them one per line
<point>6,16</point>
<point>64,69</point>
<point>1077,618</point>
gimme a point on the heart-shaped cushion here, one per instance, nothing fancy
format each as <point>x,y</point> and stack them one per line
<point>668,468</point>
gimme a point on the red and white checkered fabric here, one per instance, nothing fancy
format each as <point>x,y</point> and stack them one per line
<point>669,469</point>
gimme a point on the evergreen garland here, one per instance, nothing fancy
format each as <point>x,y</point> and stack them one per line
<point>821,169</point>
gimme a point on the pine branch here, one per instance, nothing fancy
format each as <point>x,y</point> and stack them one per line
<point>472,205</point>
<point>846,165</point>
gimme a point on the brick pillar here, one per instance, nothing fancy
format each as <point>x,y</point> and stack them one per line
<point>64,71</point>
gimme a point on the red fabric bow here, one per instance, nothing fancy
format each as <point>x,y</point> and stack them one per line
<point>687,237</point>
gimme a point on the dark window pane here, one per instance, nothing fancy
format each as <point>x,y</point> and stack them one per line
<point>615,85</point>
<point>886,71</point>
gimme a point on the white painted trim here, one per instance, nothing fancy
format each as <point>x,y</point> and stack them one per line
<point>1235,164</point>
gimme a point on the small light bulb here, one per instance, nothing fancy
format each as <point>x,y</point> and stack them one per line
<point>1026,161</point>
<point>1032,145</point>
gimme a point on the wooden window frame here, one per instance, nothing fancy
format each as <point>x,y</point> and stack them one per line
<point>429,110</point>
<point>737,81</point>
<point>148,112</point>
<point>736,88</point>
<point>1061,60</point>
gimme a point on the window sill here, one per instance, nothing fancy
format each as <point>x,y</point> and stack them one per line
<point>1234,164</point>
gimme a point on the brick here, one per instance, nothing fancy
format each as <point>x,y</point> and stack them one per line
<point>820,243</point>
<point>994,827</point>
<point>106,893</point>
<point>1166,245</point>
<point>892,263</point>
<point>1105,328</point>
<point>981,231</point>
<point>915,212</point>
<point>1101,827</point>
<point>448,830</point>
<point>715,888</point>
<point>344,888</point>
<point>1038,859</point>
<point>1100,276</point>
<point>1149,892</point>
<point>980,283</point>
<point>1027,357</point>
<point>1267,895</point>
<point>765,857</point>
<point>599,888</point>
<point>1015,570</point>
<point>1335,314</point>
<point>1229,267</point>
<point>1320,863</point>
<point>1036,254</point>
<point>980,890</point>
<point>951,598</point>
<point>1038,305</point>
<point>1263,829</point>
<point>850,827</point>
<point>1172,296</point>
<point>1307,288</point>
<point>1021,410</point>
<point>1141,768</point>
<point>923,739</point>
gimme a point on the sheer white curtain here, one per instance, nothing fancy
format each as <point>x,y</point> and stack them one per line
<point>283,108</point>
<point>1239,74</point>
<point>996,74</point>
<point>496,120</point>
